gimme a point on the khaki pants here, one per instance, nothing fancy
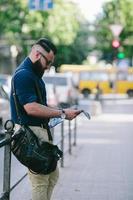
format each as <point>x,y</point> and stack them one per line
<point>42,185</point>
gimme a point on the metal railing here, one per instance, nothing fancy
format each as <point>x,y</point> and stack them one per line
<point>6,143</point>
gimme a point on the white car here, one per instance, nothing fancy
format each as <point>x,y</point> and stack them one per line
<point>5,85</point>
<point>65,91</point>
<point>5,82</point>
<point>52,99</point>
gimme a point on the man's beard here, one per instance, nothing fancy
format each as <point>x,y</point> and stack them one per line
<point>38,68</point>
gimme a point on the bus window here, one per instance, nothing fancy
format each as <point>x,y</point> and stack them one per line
<point>99,76</point>
<point>94,76</point>
<point>103,76</point>
<point>130,77</point>
<point>122,76</point>
<point>85,76</point>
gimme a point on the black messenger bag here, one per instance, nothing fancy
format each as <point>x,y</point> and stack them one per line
<point>39,158</point>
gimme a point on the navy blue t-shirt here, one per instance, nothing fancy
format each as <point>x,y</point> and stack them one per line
<point>24,82</point>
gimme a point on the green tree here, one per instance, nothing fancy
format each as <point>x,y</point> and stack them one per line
<point>76,52</point>
<point>17,22</point>
<point>21,26</point>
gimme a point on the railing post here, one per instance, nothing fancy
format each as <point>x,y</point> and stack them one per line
<point>1,122</point>
<point>7,166</point>
<point>75,132</point>
<point>69,138</point>
<point>52,132</point>
<point>62,143</point>
<point>7,161</point>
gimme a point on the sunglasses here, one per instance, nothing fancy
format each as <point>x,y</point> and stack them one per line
<point>48,62</point>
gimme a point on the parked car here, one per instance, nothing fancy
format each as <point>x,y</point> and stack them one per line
<point>5,82</point>
<point>5,85</point>
<point>52,99</point>
<point>4,110</point>
<point>65,90</point>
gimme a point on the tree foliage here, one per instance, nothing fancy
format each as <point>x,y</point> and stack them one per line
<point>76,52</point>
<point>115,12</point>
<point>21,26</point>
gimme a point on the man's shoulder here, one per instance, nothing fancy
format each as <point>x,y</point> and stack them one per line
<point>23,78</point>
<point>24,69</point>
<point>23,73</point>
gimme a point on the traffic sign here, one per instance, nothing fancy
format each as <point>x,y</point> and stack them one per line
<point>116,29</point>
<point>40,4</point>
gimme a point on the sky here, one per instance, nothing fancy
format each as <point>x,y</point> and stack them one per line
<point>90,8</point>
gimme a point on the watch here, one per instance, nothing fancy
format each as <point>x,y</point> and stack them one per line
<point>63,115</point>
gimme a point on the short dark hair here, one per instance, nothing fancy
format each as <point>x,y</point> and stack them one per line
<point>47,45</point>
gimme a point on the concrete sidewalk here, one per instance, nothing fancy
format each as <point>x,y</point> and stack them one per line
<point>100,167</point>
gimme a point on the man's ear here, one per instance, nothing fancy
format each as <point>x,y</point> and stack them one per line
<point>37,55</point>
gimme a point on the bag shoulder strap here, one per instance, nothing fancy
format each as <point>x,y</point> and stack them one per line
<point>41,101</point>
<point>38,92</point>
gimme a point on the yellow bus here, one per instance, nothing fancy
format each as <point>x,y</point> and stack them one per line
<point>94,78</point>
<point>124,82</point>
<point>107,79</point>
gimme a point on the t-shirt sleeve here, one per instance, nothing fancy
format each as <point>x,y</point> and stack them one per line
<point>25,87</point>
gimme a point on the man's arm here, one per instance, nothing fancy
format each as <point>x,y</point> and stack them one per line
<point>37,110</point>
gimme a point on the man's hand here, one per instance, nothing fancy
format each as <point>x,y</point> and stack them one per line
<point>71,113</point>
